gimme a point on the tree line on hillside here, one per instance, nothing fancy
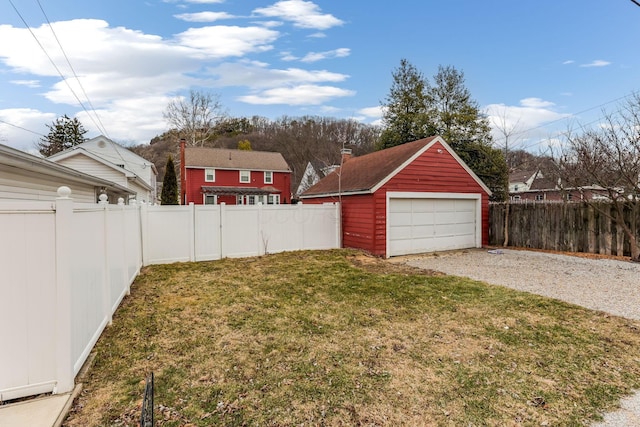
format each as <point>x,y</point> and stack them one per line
<point>299,139</point>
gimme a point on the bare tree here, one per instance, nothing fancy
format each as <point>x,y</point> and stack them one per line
<point>195,117</point>
<point>609,157</point>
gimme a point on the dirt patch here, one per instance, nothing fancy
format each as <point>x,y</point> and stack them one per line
<point>374,264</point>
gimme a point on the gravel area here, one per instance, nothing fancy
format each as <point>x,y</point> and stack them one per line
<point>599,284</point>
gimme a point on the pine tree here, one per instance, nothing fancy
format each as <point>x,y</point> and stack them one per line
<point>406,116</point>
<point>64,133</point>
<point>169,194</point>
<point>416,109</point>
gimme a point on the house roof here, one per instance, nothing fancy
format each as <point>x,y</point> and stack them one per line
<point>10,157</point>
<point>365,174</point>
<point>79,150</point>
<point>110,151</point>
<point>522,176</point>
<point>221,158</point>
<point>543,184</point>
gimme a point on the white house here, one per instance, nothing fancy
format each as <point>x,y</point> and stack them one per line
<point>106,159</point>
<point>313,173</point>
<point>27,177</point>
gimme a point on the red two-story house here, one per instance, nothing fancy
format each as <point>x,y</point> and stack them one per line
<point>235,177</point>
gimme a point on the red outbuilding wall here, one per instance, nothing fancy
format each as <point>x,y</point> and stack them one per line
<point>364,216</point>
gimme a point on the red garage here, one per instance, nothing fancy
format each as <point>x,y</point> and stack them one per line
<point>413,198</point>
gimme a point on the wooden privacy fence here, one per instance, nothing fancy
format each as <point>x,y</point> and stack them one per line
<point>564,226</point>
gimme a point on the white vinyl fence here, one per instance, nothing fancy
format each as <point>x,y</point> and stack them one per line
<point>210,232</point>
<point>65,267</point>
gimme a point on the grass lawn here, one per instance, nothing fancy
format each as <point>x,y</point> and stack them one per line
<point>337,338</point>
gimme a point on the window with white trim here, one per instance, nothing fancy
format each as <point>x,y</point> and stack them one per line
<point>245,176</point>
<point>210,199</point>
<point>268,177</point>
<point>273,199</point>
<point>539,197</point>
<point>209,175</point>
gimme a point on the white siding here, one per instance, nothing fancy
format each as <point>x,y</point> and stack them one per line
<point>91,167</point>
<point>23,185</point>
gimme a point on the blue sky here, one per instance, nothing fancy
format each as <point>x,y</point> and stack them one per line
<point>536,67</point>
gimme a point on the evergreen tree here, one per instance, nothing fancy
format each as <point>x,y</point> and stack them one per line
<point>415,109</point>
<point>406,116</point>
<point>456,116</point>
<point>169,194</point>
<point>64,133</point>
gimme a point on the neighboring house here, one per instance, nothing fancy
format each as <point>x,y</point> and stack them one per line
<point>106,159</point>
<point>533,186</point>
<point>27,177</point>
<point>520,181</point>
<point>413,198</point>
<point>313,173</point>
<point>234,177</point>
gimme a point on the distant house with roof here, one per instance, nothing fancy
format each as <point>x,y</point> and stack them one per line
<point>104,158</point>
<point>234,177</point>
<point>313,172</point>
<point>532,185</point>
<point>27,177</point>
<point>413,198</point>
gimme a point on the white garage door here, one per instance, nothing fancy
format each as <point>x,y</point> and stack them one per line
<point>417,225</point>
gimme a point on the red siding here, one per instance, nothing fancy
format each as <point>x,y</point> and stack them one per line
<point>231,178</point>
<point>358,220</point>
<point>432,172</point>
<point>364,217</point>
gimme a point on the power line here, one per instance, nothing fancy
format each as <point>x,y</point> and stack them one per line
<point>525,131</point>
<point>21,128</point>
<point>72,69</point>
<point>101,129</point>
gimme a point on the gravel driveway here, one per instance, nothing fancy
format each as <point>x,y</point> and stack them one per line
<point>599,284</point>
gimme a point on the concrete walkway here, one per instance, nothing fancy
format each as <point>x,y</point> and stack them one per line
<point>47,411</point>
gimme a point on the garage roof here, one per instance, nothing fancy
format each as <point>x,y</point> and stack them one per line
<point>365,174</point>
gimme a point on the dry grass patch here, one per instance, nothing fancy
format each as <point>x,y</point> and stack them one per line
<point>336,338</point>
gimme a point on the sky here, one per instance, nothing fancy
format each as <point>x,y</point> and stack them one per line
<point>536,68</point>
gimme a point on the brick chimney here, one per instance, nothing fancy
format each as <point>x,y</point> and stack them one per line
<point>346,154</point>
<point>183,173</point>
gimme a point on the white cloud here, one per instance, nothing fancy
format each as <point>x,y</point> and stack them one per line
<point>225,41</point>
<point>525,122</point>
<point>23,127</point>
<point>303,14</point>
<point>257,76</point>
<point>372,112</point>
<point>203,16</point>
<point>27,83</point>
<point>536,103</point>
<point>318,56</point>
<point>130,76</point>
<point>568,62</point>
<point>297,95</point>
<point>288,56</point>
<point>596,63</point>
<point>204,1</point>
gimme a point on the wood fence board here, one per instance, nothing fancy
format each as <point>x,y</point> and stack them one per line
<point>573,227</point>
